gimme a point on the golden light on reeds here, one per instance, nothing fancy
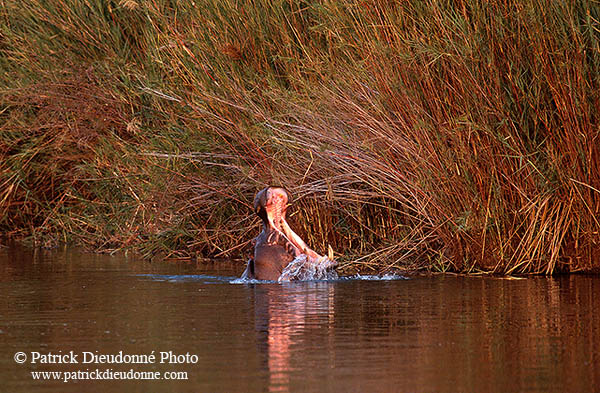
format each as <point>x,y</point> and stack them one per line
<point>434,136</point>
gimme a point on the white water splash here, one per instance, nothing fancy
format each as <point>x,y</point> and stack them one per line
<point>245,280</point>
<point>385,277</point>
<point>306,268</point>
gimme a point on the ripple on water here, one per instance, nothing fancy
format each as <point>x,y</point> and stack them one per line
<point>305,276</point>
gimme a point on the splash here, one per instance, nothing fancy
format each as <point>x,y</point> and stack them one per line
<point>385,277</point>
<point>246,280</point>
<point>307,268</point>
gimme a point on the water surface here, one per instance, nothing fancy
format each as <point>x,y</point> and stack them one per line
<point>439,333</point>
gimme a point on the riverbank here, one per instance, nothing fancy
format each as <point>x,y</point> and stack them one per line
<point>443,137</point>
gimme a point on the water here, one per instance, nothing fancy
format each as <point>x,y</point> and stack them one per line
<point>441,333</point>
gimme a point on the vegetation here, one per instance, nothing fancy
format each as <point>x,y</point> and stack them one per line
<point>443,135</point>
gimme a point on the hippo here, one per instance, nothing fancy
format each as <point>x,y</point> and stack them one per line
<point>277,245</point>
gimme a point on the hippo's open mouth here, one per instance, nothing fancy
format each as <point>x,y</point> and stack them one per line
<point>276,207</point>
<point>275,204</point>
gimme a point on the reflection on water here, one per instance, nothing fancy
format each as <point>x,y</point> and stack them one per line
<point>439,333</point>
<point>283,315</point>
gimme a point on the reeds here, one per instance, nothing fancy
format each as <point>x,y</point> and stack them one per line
<point>455,136</point>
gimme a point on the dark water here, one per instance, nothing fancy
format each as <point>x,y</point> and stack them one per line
<point>424,334</point>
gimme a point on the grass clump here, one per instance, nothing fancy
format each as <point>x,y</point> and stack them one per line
<point>451,136</point>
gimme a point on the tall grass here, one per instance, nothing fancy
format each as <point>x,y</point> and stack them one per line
<point>447,135</point>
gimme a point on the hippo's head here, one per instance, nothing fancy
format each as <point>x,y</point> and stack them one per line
<point>271,204</point>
